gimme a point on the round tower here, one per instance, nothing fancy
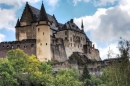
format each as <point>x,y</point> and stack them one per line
<point>43,36</point>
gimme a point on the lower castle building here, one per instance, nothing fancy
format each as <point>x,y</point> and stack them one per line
<point>41,34</point>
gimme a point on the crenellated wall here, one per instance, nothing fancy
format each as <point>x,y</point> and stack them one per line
<point>28,46</point>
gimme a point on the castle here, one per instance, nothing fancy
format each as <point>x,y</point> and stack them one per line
<point>41,34</point>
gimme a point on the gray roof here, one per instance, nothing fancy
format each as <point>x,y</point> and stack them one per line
<point>70,25</point>
<point>51,18</point>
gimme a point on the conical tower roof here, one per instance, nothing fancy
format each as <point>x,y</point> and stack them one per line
<point>18,23</point>
<point>43,14</point>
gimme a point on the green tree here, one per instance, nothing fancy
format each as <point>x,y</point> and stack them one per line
<point>67,78</point>
<point>119,70</point>
<point>86,78</point>
<point>18,60</point>
<point>7,74</point>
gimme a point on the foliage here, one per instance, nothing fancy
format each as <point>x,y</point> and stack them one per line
<point>67,78</point>
<point>6,74</point>
<point>118,72</point>
<point>18,60</point>
<point>20,69</point>
<point>85,74</point>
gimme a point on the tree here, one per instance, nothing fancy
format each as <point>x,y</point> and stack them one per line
<point>85,74</point>
<point>67,78</point>
<point>86,78</point>
<point>119,70</point>
<point>7,74</point>
<point>18,60</point>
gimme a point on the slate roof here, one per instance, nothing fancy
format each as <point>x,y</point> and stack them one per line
<point>51,18</point>
<point>70,25</point>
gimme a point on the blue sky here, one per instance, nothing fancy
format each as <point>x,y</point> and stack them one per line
<point>105,21</point>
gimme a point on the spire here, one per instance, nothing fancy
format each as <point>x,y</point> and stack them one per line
<point>18,23</point>
<point>82,26</point>
<point>43,15</point>
<point>27,4</point>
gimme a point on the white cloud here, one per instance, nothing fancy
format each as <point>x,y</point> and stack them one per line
<point>7,19</point>
<point>91,22</point>
<point>1,37</point>
<point>111,49</point>
<point>76,1</point>
<point>52,3</point>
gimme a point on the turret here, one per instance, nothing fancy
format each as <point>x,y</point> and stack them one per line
<point>43,50</point>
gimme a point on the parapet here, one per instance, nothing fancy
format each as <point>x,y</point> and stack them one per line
<point>16,44</point>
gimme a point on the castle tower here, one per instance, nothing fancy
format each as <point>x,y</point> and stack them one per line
<point>43,37</point>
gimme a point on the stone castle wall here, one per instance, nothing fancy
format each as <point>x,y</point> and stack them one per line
<point>28,46</point>
<point>58,50</point>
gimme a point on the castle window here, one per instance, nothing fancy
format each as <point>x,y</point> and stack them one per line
<point>65,32</point>
<point>43,33</point>
<point>32,45</point>
<point>40,43</point>
<point>38,29</point>
<point>46,43</point>
<point>65,38</point>
<point>7,46</point>
<point>45,58</point>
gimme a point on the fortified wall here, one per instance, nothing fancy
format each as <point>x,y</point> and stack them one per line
<point>28,46</point>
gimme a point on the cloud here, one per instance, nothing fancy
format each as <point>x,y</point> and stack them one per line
<point>104,2</point>
<point>113,25</point>
<point>8,16</point>
<point>7,19</point>
<point>1,37</point>
<point>52,3</point>
<point>76,1</point>
<point>91,22</point>
<point>111,49</point>
<point>107,25</point>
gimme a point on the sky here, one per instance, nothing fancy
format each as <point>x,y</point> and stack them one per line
<point>105,21</point>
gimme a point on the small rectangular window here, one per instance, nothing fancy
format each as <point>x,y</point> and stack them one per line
<point>38,29</point>
<point>46,43</point>
<point>65,32</point>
